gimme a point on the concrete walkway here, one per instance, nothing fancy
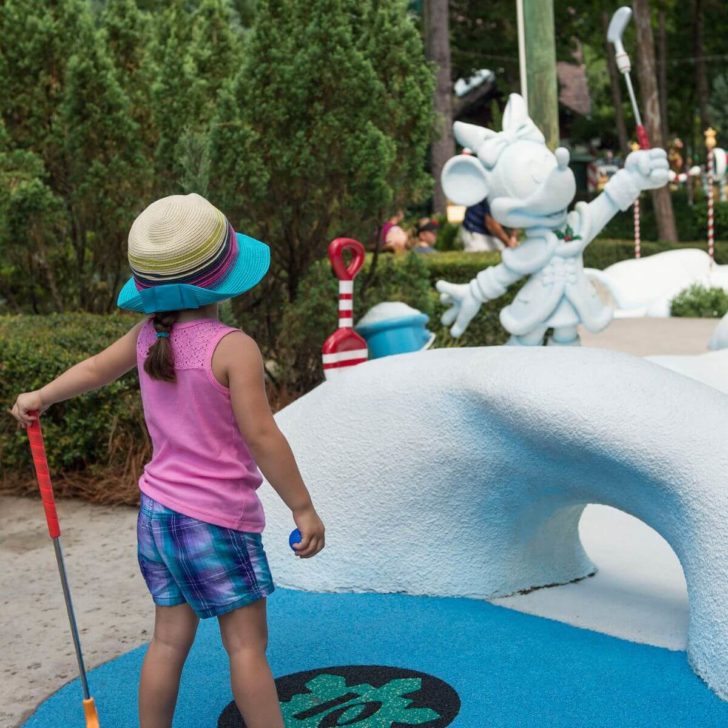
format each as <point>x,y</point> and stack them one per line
<point>643,599</point>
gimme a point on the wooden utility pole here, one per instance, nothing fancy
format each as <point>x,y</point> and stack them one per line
<point>540,56</point>
<point>437,48</point>
<point>661,200</point>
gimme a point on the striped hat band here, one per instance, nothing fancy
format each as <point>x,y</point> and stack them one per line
<point>181,239</point>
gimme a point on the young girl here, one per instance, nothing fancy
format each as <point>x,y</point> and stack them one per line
<point>202,386</point>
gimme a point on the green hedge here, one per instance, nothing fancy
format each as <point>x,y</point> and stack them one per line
<point>100,428</point>
<point>700,302</point>
<point>409,278</point>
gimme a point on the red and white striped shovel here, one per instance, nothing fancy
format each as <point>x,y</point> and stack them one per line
<point>345,348</point>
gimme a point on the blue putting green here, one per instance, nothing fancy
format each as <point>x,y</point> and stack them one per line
<point>508,669</point>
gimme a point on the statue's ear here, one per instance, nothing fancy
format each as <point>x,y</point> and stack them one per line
<point>470,135</point>
<point>464,180</point>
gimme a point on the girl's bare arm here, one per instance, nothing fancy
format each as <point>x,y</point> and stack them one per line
<point>238,359</point>
<point>92,373</point>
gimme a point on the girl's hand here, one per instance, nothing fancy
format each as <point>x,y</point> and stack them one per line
<point>312,532</point>
<point>25,404</point>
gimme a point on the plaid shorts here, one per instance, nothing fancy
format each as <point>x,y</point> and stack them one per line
<point>211,568</point>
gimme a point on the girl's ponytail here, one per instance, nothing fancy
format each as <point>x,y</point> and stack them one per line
<point>159,363</point>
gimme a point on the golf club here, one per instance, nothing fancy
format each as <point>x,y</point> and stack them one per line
<point>614,35</point>
<point>40,461</point>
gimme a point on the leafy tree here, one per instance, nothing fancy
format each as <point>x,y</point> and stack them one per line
<point>127,32</point>
<point>324,129</point>
<point>308,143</point>
<point>31,226</point>
<point>172,111</point>
<point>104,170</point>
<point>197,51</point>
<point>64,109</point>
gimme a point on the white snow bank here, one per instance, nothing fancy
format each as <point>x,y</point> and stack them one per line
<point>710,368</point>
<point>645,286</point>
<point>465,472</point>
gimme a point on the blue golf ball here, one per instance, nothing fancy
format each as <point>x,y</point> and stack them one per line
<point>295,537</point>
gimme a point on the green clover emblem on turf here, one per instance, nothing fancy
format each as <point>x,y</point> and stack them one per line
<point>329,699</point>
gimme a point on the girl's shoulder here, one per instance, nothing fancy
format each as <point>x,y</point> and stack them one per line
<point>236,351</point>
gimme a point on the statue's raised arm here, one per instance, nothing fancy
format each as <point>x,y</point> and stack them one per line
<point>530,187</point>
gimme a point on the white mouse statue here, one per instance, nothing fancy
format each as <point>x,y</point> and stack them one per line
<point>529,187</point>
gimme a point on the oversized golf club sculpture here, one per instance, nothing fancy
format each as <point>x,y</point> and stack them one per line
<point>37,448</point>
<point>614,35</point>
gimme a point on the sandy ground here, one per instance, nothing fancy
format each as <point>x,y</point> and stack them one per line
<point>653,336</point>
<point>639,592</point>
<point>113,609</point>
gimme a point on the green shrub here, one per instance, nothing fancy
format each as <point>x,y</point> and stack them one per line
<point>411,279</point>
<point>313,317</point>
<point>700,302</point>
<point>447,237</point>
<point>102,429</point>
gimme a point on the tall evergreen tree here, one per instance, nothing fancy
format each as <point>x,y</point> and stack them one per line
<point>172,110</point>
<point>303,147</point>
<point>216,50</point>
<point>61,103</point>
<point>408,85</point>
<point>33,257</point>
<point>105,170</point>
<point>128,32</point>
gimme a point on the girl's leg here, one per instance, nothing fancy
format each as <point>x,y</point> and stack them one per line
<point>245,636</point>
<point>174,632</point>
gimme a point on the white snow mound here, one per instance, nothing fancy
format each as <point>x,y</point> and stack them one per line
<point>465,472</point>
<point>646,286</point>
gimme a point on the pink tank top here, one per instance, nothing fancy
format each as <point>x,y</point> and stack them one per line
<point>200,463</point>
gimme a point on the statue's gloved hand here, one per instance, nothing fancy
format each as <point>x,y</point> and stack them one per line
<point>648,168</point>
<point>463,305</point>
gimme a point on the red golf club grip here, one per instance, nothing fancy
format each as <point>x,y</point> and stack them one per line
<point>642,139</point>
<point>37,449</point>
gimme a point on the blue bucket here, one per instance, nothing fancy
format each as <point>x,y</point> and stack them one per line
<point>400,335</point>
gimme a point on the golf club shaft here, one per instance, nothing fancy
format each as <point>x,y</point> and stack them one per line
<point>71,617</point>
<point>632,98</point>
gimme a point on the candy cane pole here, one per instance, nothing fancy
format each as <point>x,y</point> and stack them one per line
<point>710,145</point>
<point>345,348</point>
<point>637,240</point>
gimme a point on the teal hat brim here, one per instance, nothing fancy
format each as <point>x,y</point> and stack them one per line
<point>251,265</point>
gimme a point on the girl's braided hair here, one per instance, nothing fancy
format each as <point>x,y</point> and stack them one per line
<point>159,363</point>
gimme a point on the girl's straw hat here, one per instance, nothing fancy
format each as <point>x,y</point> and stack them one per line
<point>183,253</point>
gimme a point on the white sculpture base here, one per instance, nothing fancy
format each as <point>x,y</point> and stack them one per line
<point>464,472</point>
